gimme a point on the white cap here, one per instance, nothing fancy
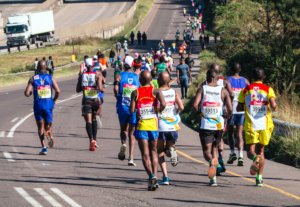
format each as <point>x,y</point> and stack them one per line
<point>158,52</point>
<point>125,40</point>
<point>89,62</point>
<point>148,53</point>
<point>163,50</point>
<point>143,59</point>
<point>169,58</point>
<point>95,57</point>
<point>162,40</point>
<point>166,59</point>
<point>128,61</point>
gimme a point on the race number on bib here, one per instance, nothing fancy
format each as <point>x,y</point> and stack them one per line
<point>146,111</point>
<point>117,67</point>
<point>90,92</point>
<point>211,110</point>
<point>44,92</point>
<point>236,92</point>
<point>259,108</point>
<point>169,109</point>
<point>126,93</point>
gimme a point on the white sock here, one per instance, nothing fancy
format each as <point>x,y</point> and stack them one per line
<point>232,151</point>
<point>240,153</point>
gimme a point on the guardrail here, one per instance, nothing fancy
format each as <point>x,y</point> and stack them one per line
<point>285,128</point>
<point>27,47</point>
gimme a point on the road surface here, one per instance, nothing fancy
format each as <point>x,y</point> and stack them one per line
<point>70,175</point>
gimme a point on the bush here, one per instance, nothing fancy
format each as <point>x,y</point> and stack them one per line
<point>17,69</point>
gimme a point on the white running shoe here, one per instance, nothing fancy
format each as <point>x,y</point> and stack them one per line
<point>130,162</point>
<point>174,156</point>
<point>96,145</point>
<point>99,123</point>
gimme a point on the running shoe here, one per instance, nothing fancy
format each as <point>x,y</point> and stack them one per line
<point>240,161</point>
<point>44,151</point>
<point>259,182</point>
<point>121,154</point>
<point>222,165</point>
<point>92,145</point>
<point>152,183</point>
<point>255,166</point>
<point>51,141</point>
<point>165,181</point>
<point>219,170</point>
<point>174,156</point>
<point>213,168</point>
<point>213,182</point>
<point>130,162</point>
<point>232,158</point>
<point>157,184</point>
<point>96,145</point>
<point>99,123</point>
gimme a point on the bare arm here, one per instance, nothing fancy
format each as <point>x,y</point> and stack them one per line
<point>273,104</point>
<point>179,103</point>
<point>99,83</point>
<point>227,101</point>
<point>240,107</point>
<point>197,100</point>
<point>79,87</point>
<point>132,106</point>
<point>117,87</point>
<point>159,96</point>
<point>28,90</point>
<point>56,89</point>
<point>177,72</point>
<point>247,82</point>
<point>190,75</point>
<point>227,85</point>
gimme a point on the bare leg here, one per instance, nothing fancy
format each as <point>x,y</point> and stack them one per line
<point>124,132</point>
<point>230,133</point>
<point>221,148</point>
<point>161,157</point>
<point>154,159</point>
<point>41,131</point>
<point>240,139</point>
<point>143,145</point>
<point>131,139</point>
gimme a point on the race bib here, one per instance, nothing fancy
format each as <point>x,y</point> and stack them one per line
<point>146,111</point>
<point>156,60</point>
<point>211,110</point>
<point>44,92</point>
<point>126,93</point>
<point>117,67</point>
<point>90,92</point>
<point>236,92</point>
<point>259,108</point>
<point>169,109</point>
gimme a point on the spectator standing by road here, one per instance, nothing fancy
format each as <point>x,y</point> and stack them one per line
<point>221,36</point>
<point>200,8</point>
<point>207,40</point>
<point>200,40</point>
<point>125,46</point>
<point>99,54</point>
<point>144,37</point>
<point>203,45</point>
<point>203,28</point>
<point>35,65</point>
<point>112,55</point>
<point>183,72</point>
<point>132,37</point>
<point>139,37</point>
<point>50,66</point>
<point>118,47</point>
<point>215,38</point>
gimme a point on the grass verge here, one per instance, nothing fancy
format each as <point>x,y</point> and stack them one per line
<point>61,55</point>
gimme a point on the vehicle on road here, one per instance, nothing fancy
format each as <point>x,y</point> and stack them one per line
<point>26,28</point>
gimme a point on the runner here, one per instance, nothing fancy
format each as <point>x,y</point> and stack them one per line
<point>144,66</point>
<point>174,46</point>
<point>238,118</point>
<point>169,52</point>
<point>161,66</point>
<point>168,125</point>
<point>184,45</point>
<point>259,100</point>
<point>96,63</point>
<point>184,12</point>
<point>226,84</point>
<point>43,103</point>
<point>188,23</point>
<point>181,51</point>
<point>156,58</point>
<point>211,98</point>
<point>83,65</point>
<point>169,66</point>
<point>118,65</point>
<point>163,54</point>
<point>193,27</point>
<point>177,38</point>
<point>184,35</point>
<point>161,45</point>
<point>89,83</point>
<point>104,65</point>
<point>152,53</point>
<point>125,83</point>
<point>150,59</point>
<point>144,100</point>
<point>154,79</point>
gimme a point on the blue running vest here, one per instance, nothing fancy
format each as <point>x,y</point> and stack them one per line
<point>42,92</point>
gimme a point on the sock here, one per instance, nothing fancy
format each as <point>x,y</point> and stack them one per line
<point>123,136</point>
<point>89,129</point>
<point>209,161</point>
<point>232,151</point>
<point>240,153</point>
<point>220,159</point>
<point>254,157</point>
<point>94,126</point>
<point>259,177</point>
<point>214,178</point>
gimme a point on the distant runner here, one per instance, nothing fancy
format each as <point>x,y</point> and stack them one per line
<point>118,65</point>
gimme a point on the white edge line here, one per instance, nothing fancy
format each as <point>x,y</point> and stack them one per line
<point>8,156</point>
<point>2,134</point>
<point>15,119</point>
<point>27,197</point>
<point>47,197</point>
<point>65,197</point>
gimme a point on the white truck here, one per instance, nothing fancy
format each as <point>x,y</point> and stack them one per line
<point>25,29</point>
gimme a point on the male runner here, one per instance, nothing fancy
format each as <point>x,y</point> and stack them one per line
<point>184,35</point>
<point>83,65</point>
<point>168,125</point>
<point>257,100</point>
<point>97,65</point>
<point>150,59</point>
<point>176,38</point>
<point>174,47</point>
<point>144,66</point>
<point>161,66</point>
<point>226,84</point>
<point>125,83</point>
<point>104,65</point>
<point>154,79</point>
<point>90,83</point>
<point>43,103</point>
<point>238,118</point>
<point>144,100</point>
<point>156,58</point>
<point>169,52</point>
<point>161,45</point>
<point>184,12</point>
<point>211,98</point>
<point>118,65</point>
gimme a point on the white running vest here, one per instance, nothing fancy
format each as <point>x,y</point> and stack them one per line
<point>169,119</point>
<point>89,85</point>
<point>220,82</point>
<point>212,108</point>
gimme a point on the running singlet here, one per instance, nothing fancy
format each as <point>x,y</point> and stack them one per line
<point>255,98</point>
<point>149,60</point>
<point>100,94</point>
<point>212,108</point>
<point>96,65</point>
<point>103,63</point>
<point>169,52</point>
<point>161,67</point>
<point>177,36</point>
<point>237,85</point>
<point>42,93</point>
<point>220,82</point>
<point>181,50</point>
<point>129,82</point>
<point>168,119</point>
<point>144,67</point>
<point>146,109</point>
<point>156,59</point>
<point>89,85</point>
<point>154,81</point>
<point>173,46</point>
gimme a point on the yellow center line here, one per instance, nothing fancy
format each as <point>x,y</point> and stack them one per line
<point>173,81</point>
<point>237,175</point>
<point>153,16</point>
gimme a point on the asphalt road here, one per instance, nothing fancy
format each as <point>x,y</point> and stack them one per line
<point>70,175</point>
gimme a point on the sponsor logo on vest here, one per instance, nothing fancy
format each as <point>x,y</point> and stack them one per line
<point>130,80</point>
<point>169,96</point>
<point>256,89</point>
<point>212,93</point>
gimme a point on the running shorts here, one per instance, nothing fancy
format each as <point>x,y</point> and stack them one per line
<point>101,101</point>
<point>262,137</point>
<point>237,119</point>
<point>90,106</point>
<point>168,136</point>
<point>127,118</point>
<point>148,135</point>
<point>210,136</point>
<point>117,72</point>
<point>104,73</point>
<point>46,115</point>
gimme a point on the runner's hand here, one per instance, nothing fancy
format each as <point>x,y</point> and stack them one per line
<point>178,81</point>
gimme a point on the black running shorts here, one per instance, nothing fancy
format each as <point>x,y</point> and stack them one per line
<point>104,73</point>
<point>90,106</point>
<point>210,136</point>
